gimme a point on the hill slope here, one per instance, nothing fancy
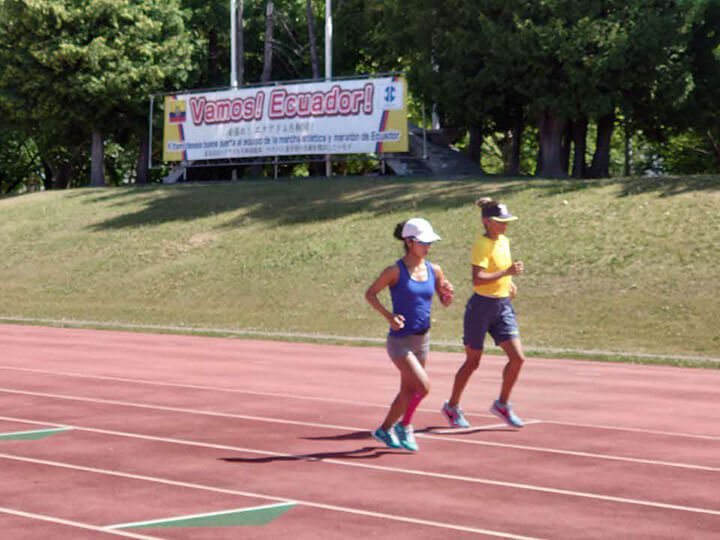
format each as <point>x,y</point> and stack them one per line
<point>616,265</point>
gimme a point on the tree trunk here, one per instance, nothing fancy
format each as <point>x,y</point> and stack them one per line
<point>268,54</point>
<point>716,147</point>
<point>256,170</point>
<point>475,149</point>
<point>315,168</point>
<point>600,167</point>
<point>539,156</point>
<point>142,169</point>
<point>512,167</point>
<point>97,168</point>
<point>49,175</point>
<point>628,151</point>
<point>552,129</point>
<point>213,72</point>
<point>565,148</point>
<point>10,186</point>
<point>61,176</point>
<point>311,36</point>
<point>579,136</point>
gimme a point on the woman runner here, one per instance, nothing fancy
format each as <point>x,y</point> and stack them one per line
<point>489,311</point>
<point>412,281</point>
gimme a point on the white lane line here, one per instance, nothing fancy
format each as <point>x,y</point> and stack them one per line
<point>343,401</point>
<point>76,524</point>
<point>400,470</point>
<point>174,409</point>
<point>245,332</point>
<point>200,387</point>
<point>354,428</point>
<point>312,504</point>
<point>634,430</point>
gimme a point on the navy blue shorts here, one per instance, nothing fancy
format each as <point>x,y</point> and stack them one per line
<point>483,315</point>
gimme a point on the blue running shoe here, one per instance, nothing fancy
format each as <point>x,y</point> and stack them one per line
<point>406,436</point>
<point>388,438</point>
<point>455,416</point>
<point>506,413</point>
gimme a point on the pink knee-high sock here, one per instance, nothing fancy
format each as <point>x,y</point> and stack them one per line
<point>414,402</point>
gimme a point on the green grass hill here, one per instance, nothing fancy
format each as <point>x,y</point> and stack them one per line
<point>622,265</point>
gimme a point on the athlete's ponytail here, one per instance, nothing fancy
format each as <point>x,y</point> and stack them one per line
<point>485,202</point>
<point>398,234</point>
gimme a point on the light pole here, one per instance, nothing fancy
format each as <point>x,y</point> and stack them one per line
<point>328,65</point>
<point>328,39</point>
<point>233,45</point>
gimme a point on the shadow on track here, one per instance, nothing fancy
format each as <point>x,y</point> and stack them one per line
<point>366,452</point>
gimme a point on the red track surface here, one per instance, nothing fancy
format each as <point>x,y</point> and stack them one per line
<point>169,426</point>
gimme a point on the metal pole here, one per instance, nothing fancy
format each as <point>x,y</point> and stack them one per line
<point>233,44</point>
<point>328,39</point>
<point>328,65</point>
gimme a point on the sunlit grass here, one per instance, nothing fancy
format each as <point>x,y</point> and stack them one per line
<point>623,265</point>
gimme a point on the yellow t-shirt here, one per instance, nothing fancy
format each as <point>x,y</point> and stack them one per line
<point>493,256</point>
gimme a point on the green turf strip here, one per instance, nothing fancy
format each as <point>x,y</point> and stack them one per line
<point>30,435</point>
<point>258,515</point>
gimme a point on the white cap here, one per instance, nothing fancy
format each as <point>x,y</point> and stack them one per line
<point>420,229</point>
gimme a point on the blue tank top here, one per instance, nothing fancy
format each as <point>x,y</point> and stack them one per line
<point>412,300</point>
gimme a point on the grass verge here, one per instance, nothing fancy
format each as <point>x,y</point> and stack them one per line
<point>623,266</point>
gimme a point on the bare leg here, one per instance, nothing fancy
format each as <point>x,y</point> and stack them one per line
<point>413,380</point>
<point>414,401</point>
<point>516,358</point>
<point>410,411</point>
<point>472,361</point>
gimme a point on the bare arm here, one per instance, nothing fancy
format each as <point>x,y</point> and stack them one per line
<point>480,276</point>
<point>443,287</point>
<point>387,278</point>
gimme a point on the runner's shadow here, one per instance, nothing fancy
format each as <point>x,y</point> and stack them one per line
<point>444,430</point>
<point>354,436</point>
<point>366,452</point>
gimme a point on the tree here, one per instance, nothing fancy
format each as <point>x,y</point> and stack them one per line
<point>573,61</point>
<point>642,73</point>
<point>314,61</point>
<point>86,68</point>
<point>704,57</point>
<point>268,54</point>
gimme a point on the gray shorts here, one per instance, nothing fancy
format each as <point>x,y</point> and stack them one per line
<point>399,347</point>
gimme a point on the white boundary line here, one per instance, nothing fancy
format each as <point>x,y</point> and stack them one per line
<point>312,504</point>
<point>333,400</point>
<point>248,332</point>
<point>399,470</point>
<point>354,428</point>
<point>192,386</point>
<point>635,430</point>
<point>159,521</point>
<point>75,524</point>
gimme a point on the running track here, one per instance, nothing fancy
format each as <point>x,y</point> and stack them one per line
<point>167,426</point>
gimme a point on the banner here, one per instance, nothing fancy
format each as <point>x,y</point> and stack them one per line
<point>360,116</point>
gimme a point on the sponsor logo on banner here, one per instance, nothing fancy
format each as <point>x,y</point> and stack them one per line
<point>391,97</point>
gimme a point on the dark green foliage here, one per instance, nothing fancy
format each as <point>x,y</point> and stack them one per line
<point>493,67</point>
<point>71,66</point>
